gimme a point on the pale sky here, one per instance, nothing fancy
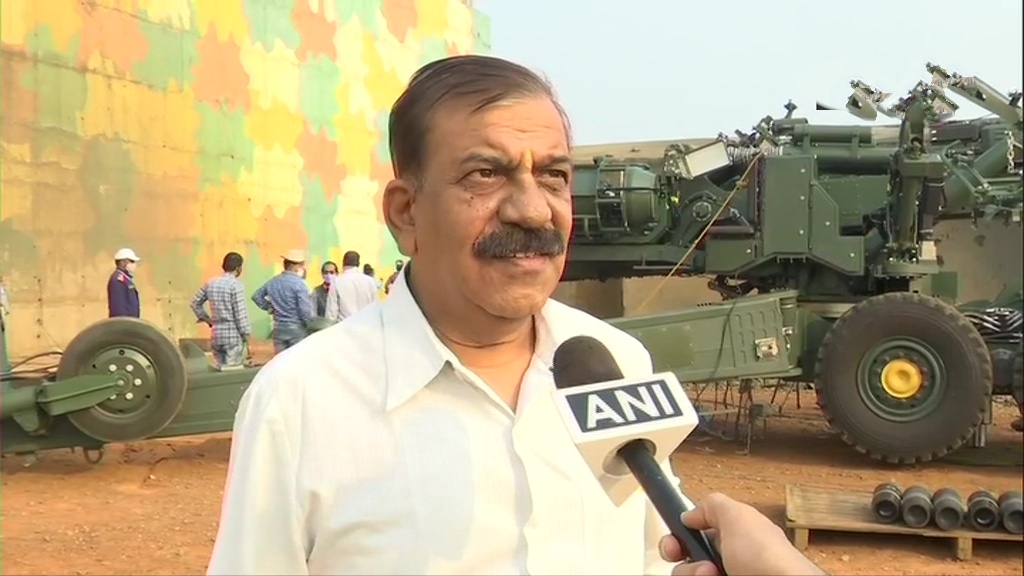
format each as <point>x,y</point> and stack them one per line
<point>630,70</point>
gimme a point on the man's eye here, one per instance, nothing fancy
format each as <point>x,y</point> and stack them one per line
<point>561,175</point>
<point>483,173</point>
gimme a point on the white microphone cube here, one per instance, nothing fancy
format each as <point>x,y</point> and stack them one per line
<point>601,418</point>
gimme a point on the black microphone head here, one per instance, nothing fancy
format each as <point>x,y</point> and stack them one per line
<point>583,360</point>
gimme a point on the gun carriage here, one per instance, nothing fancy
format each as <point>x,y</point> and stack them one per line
<point>820,240</point>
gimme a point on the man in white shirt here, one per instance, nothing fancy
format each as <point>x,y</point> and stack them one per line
<point>419,436</point>
<point>351,291</point>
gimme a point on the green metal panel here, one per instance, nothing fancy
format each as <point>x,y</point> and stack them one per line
<point>945,285</point>
<point>843,252</point>
<point>786,209</point>
<point>732,339</point>
<point>728,255</point>
<point>853,193</point>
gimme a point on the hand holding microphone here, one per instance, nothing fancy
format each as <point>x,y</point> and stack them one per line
<point>750,543</point>
<point>623,427</point>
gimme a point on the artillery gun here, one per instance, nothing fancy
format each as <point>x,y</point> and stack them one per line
<point>119,380</point>
<point>820,241</point>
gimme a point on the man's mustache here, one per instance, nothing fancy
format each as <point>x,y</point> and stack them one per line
<point>511,240</point>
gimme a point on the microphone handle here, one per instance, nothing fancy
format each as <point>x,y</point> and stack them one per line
<point>668,502</point>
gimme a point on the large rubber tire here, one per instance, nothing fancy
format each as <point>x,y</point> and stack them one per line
<point>151,366</point>
<point>1018,380</point>
<point>939,340</point>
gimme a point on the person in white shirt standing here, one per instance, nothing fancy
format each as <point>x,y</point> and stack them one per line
<point>5,310</point>
<point>420,436</point>
<point>351,291</point>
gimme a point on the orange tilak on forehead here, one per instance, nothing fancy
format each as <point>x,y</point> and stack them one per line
<point>526,161</point>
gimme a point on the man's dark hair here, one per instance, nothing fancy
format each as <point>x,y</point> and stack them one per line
<point>328,264</point>
<point>351,258</point>
<point>474,80</point>
<point>368,269</point>
<point>232,262</point>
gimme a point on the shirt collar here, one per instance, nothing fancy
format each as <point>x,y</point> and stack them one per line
<point>414,355</point>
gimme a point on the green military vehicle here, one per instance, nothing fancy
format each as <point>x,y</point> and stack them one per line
<point>820,241</point>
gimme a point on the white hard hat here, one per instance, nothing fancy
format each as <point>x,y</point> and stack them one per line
<point>297,256</point>
<point>127,254</point>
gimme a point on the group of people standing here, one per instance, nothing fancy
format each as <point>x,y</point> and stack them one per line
<point>285,297</point>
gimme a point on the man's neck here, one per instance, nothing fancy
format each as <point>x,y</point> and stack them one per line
<point>478,339</point>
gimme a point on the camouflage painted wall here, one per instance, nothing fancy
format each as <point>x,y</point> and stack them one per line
<point>188,128</point>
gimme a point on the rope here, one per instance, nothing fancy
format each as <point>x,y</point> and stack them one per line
<point>728,199</point>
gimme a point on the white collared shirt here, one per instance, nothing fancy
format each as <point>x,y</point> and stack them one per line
<point>369,449</point>
<point>350,292</point>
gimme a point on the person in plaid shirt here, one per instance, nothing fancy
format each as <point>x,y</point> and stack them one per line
<point>229,316</point>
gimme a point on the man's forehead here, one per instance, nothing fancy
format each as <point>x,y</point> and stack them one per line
<point>514,124</point>
<point>524,155</point>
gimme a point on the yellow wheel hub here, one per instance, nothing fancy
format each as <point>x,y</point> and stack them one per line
<point>901,378</point>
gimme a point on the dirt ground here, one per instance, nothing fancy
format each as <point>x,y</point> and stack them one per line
<point>152,507</point>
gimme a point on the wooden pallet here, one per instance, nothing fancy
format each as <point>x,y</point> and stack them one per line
<point>810,509</point>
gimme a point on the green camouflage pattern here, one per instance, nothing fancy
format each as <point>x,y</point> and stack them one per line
<point>185,129</point>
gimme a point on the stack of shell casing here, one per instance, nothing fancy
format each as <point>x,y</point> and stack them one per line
<point>918,507</point>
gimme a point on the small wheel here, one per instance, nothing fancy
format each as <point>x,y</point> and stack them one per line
<point>904,378</point>
<point>150,371</point>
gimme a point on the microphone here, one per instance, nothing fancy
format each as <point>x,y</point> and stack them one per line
<point>623,427</point>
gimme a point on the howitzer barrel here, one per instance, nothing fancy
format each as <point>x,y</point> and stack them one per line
<point>813,134</point>
<point>948,509</point>
<point>982,511</point>
<point>1011,511</point>
<point>17,399</point>
<point>916,507</point>
<point>885,503</point>
<point>853,160</point>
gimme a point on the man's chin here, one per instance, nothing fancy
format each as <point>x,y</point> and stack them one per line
<point>516,310</point>
<point>513,302</point>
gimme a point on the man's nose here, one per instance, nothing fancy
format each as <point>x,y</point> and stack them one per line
<point>527,204</point>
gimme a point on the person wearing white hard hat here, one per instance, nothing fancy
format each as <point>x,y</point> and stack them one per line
<point>286,298</point>
<point>122,293</point>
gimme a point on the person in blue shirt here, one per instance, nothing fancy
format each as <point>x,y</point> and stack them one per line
<point>122,293</point>
<point>286,298</point>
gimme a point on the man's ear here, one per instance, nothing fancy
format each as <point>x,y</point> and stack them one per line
<point>397,208</point>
